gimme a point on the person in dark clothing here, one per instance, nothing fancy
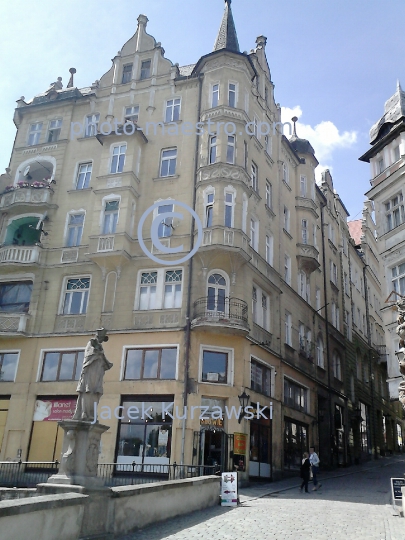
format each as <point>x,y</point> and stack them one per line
<point>305,472</point>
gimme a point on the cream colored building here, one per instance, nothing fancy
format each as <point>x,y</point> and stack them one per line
<point>258,309</point>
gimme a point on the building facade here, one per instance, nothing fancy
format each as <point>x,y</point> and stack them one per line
<point>259,312</point>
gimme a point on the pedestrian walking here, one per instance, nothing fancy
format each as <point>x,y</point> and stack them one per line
<point>314,461</point>
<point>305,470</point>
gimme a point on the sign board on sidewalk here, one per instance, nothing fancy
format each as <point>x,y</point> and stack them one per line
<point>396,484</point>
<point>229,489</point>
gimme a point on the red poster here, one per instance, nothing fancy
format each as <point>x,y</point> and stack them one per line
<point>54,410</point>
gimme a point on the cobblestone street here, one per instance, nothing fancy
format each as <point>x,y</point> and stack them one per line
<point>352,504</point>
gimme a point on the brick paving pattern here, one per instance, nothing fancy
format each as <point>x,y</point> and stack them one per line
<point>352,504</point>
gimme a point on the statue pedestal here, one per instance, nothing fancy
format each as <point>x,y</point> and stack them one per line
<point>79,460</point>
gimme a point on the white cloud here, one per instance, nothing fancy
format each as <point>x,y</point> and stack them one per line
<point>324,137</point>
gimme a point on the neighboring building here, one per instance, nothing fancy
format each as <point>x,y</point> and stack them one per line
<point>259,309</point>
<point>387,192</point>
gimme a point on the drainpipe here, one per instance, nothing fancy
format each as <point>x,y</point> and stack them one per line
<point>373,422</point>
<point>190,272</point>
<point>331,416</point>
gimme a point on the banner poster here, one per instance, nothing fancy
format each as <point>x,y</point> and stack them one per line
<point>54,410</point>
<point>229,489</point>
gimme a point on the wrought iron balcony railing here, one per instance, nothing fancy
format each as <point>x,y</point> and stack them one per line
<point>221,310</point>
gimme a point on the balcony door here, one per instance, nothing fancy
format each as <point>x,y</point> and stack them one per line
<point>217,297</point>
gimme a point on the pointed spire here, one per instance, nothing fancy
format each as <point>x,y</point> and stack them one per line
<point>227,38</point>
<point>399,89</point>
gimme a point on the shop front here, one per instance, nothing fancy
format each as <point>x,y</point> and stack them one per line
<point>260,462</point>
<point>296,442</point>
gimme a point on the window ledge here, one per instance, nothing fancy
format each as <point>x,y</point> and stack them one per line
<point>214,383</point>
<point>270,210</point>
<point>289,347</point>
<point>160,178</point>
<point>286,185</point>
<point>288,234</point>
<point>80,190</point>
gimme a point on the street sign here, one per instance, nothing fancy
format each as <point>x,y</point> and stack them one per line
<point>396,484</point>
<point>229,489</point>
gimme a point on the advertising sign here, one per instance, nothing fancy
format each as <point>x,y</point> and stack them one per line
<point>239,444</point>
<point>396,484</point>
<point>54,410</point>
<point>229,489</point>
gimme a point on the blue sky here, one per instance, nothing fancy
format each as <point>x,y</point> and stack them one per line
<point>333,63</point>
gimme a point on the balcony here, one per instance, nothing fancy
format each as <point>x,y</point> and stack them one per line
<point>382,353</point>
<point>230,314</point>
<point>110,251</point>
<point>13,323</point>
<point>307,257</point>
<point>25,196</point>
<point>19,254</point>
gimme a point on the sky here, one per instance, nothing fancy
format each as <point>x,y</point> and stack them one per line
<point>333,63</point>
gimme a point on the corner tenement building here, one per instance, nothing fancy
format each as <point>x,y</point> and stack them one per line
<point>280,303</point>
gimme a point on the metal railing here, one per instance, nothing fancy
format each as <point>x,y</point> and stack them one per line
<point>223,309</point>
<point>26,474</point>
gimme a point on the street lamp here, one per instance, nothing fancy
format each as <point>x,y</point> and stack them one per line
<point>244,401</point>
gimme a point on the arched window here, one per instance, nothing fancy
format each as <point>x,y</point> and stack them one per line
<point>217,292</point>
<point>319,352</point>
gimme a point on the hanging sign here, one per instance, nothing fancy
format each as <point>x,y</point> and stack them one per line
<point>239,444</point>
<point>229,489</point>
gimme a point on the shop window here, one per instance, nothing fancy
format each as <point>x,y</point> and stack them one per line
<point>364,428</point>
<point>159,363</point>
<point>295,444</point>
<point>8,366</point>
<point>62,365</point>
<point>215,366</point>
<point>15,296</point>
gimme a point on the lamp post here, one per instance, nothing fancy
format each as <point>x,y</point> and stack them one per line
<point>244,401</point>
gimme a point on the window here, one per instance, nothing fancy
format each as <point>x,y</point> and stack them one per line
<point>295,396</point>
<point>215,366</point>
<point>268,145</point>
<point>118,158</point>
<point>209,209</point>
<point>84,175</point>
<point>54,130</point>
<point>172,296</point>
<point>232,95</point>
<point>380,165</point>
<point>245,155</point>
<point>15,296</point>
<point>320,361</point>
<point>397,154</point>
<point>244,212</point>
<point>34,133</point>
<point>8,366</point>
<point>215,95</point>
<point>331,233</point>
<point>126,73</point>
<point>145,69</point>
<point>229,209</point>
<point>165,228</point>
<point>304,231</point>
<point>314,230</point>
<point>286,173</point>
<point>255,127</point>
<point>132,114</point>
<point>74,230</point>
<point>254,234</point>
<point>269,195</point>
<point>286,219</point>
<point>345,246</point>
<point>260,378</point>
<point>287,269</point>
<point>394,212</point>
<point>212,153</point>
<point>147,296</point>
<point>333,273</point>
<point>303,186</point>
<point>288,328</point>
<point>172,110</point>
<point>110,217</point>
<point>261,307</point>
<point>345,284</point>
<point>153,363</point>
<point>168,162</point>
<point>303,285</point>
<point>254,177</point>
<point>76,296</point>
<point>318,299</point>
<point>91,124</point>
<point>398,278</point>
<point>62,366</point>
<point>216,293</point>
<point>269,249</point>
<point>230,150</point>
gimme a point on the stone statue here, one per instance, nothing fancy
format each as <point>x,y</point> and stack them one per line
<point>90,387</point>
<point>400,330</point>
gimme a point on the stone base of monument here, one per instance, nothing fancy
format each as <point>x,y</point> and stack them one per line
<point>78,473</point>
